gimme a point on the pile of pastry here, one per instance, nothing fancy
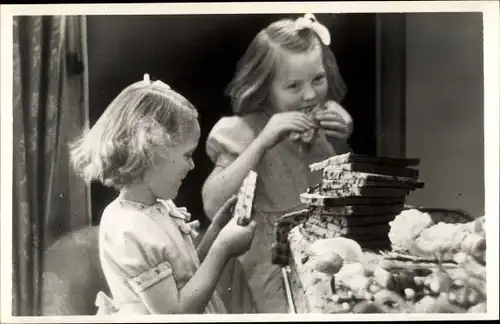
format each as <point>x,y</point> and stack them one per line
<point>358,196</point>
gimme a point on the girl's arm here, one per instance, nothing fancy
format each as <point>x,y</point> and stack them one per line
<point>165,298</point>
<point>220,220</point>
<point>194,296</point>
<point>224,182</point>
<point>207,241</point>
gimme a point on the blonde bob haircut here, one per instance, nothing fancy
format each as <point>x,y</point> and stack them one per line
<point>256,69</point>
<point>118,149</point>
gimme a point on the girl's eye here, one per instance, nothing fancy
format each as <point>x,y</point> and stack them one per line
<point>320,78</point>
<point>293,86</point>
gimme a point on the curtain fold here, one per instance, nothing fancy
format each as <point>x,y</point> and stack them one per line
<point>50,108</point>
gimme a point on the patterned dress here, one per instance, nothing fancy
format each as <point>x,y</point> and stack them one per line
<point>141,245</point>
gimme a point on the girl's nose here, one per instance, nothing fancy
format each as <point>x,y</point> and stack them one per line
<point>191,164</point>
<point>309,93</point>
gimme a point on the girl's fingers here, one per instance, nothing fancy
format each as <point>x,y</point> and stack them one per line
<point>294,113</point>
<point>228,204</point>
<point>296,124</point>
<point>335,134</point>
<point>306,124</point>
<point>301,118</point>
<point>297,127</point>
<point>330,116</point>
<point>334,126</point>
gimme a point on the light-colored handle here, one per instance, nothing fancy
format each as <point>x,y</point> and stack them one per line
<point>288,290</point>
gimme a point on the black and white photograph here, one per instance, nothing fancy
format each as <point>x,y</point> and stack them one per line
<point>249,161</point>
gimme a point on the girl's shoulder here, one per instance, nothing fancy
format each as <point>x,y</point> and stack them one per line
<point>120,218</point>
<point>240,126</point>
<point>229,137</point>
<point>232,125</point>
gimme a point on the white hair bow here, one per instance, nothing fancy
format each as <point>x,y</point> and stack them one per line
<point>309,21</point>
<point>147,80</point>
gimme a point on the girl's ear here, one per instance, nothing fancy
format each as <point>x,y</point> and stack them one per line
<point>158,154</point>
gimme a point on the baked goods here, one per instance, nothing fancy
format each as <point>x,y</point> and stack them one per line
<point>243,207</point>
<point>349,202</point>
<point>358,248</point>
<point>305,138</point>
<point>375,186</point>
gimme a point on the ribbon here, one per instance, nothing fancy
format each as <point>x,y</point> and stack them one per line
<point>183,217</point>
<point>147,81</point>
<point>104,304</point>
<point>309,21</point>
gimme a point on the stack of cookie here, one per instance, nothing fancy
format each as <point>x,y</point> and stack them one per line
<point>358,196</point>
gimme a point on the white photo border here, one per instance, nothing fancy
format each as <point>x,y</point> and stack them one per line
<point>490,13</point>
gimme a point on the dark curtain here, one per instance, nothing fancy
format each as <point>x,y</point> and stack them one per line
<point>50,108</point>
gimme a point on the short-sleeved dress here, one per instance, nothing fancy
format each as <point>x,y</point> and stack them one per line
<point>141,245</point>
<point>283,174</point>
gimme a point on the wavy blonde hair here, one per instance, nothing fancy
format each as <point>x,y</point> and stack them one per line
<point>255,71</point>
<point>117,149</point>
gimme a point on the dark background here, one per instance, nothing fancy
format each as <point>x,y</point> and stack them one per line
<point>197,55</point>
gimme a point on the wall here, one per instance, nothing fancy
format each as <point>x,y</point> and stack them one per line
<point>444,115</point>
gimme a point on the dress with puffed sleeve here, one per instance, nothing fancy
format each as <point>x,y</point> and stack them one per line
<point>140,246</point>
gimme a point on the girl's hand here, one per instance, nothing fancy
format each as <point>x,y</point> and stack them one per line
<point>235,239</point>
<point>281,124</point>
<point>335,121</point>
<point>225,213</point>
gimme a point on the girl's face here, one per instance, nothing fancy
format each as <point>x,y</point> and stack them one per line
<point>300,82</point>
<point>170,166</point>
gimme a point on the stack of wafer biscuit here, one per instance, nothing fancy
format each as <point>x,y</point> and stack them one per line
<point>358,196</point>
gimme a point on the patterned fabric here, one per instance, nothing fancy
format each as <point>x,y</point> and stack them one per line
<point>150,277</point>
<point>49,109</point>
